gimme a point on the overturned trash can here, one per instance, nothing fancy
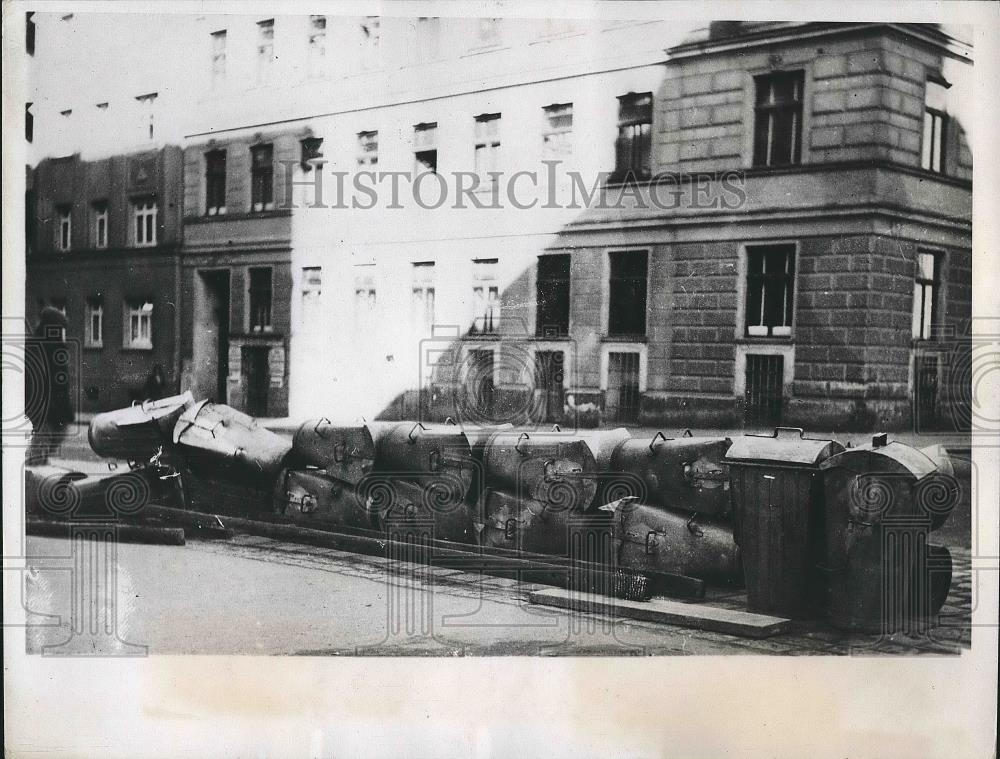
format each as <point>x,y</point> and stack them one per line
<point>228,462</point>
<point>137,432</point>
<point>777,509</point>
<point>882,502</point>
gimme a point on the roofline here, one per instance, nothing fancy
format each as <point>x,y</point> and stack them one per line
<point>926,33</point>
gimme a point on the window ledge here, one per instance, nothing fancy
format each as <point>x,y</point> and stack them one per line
<point>766,340</point>
<point>624,339</point>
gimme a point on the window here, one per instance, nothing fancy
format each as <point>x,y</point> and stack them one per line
<point>557,140</point>
<point>367,148</point>
<point>317,46</point>
<point>627,303</point>
<point>261,178</point>
<point>312,289</point>
<point>59,304</point>
<point>485,297</point>
<point>632,148</point>
<point>218,57</point>
<point>552,296</point>
<point>370,38</point>
<point>770,290</point>
<point>265,50</point>
<point>147,109</point>
<point>428,38</point>
<point>29,123</point>
<point>144,226</point>
<point>925,287</point>
<point>312,282</point>
<point>364,296</point>
<point>29,33</point>
<point>94,328</point>
<point>312,150</point>
<point>488,32</point>
<point>425,147</point>
<point>260,299</point>
<point>423,295</point>
<point>935,127</point>
<point>487,145</point>
<point>215,182</point>
<point>64,227</point>
<point>777,137</point>
<point>99,223</point>
<point>138,325</point>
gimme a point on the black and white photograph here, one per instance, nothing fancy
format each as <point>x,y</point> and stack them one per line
<point>370,336</point>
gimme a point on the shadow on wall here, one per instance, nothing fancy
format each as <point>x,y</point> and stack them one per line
<point>643,325</point>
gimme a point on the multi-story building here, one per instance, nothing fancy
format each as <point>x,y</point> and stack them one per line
<point>823,282</point>
<point>105,250</point>
<point>501,218</point>
<point>836,293</point>
<point>236,272</point>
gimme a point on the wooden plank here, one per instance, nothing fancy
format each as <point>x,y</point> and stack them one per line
<point>699,616</point>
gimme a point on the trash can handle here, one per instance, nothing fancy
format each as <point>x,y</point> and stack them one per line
<point>316,428</point>
<point>510,529</point>
<point>657,436</point>
<point>556,428</point>
<point>779,430</point>
<point>410,437</point>
<point>449,420</point>
<point>688,433</point>
<point>693,527</point>
<point>517,445</point>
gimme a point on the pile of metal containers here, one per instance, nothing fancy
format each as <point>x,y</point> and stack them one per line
<point>812,528</point>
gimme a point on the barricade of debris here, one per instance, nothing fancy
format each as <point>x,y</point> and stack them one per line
<point>813,529</point>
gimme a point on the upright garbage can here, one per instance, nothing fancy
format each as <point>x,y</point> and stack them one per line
<point>777,509</point>
<point>881,567</point>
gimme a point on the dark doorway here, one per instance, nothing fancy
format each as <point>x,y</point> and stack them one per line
<point>255,370</point>
<point>621,403</point>
<point>925,399</point>
<point>211,334</point>
<point>549,384</point>
<point>763,391</point>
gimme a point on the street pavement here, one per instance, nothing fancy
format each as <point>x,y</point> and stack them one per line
<point>254,595</point>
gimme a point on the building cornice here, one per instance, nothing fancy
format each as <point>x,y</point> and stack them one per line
<point>769,36</point>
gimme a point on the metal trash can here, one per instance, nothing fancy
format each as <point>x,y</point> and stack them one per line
<point>137,432</point>
<point>650,538</point>
<point>777,508</point>
<point>879,514</point>
<point>347,453</point>
<point>679,473</point>
<point>311,496</point>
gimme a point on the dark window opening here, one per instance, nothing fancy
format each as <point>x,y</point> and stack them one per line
<point>425,147</point>
<point>262,177</point>
<point>770,290</point>
<point>552,293</point>
<point>633,146</point>
<point>29,123</point>
<point>935,128</point>
<point>778,119</point>
<point>621,400</point>
<point>627,306</point>
<point>215,182</point>
<point>925,289</point>
<point>29,32</point>
<point>312,150</point>
<point>260,299</point>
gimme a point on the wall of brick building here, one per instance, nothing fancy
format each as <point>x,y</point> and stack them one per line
<point>107,377</point>
<point>863,99</point>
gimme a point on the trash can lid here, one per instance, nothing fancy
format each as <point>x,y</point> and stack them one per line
<point>785,446</point>
<point>881,456</point>
<point>884,457</point>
